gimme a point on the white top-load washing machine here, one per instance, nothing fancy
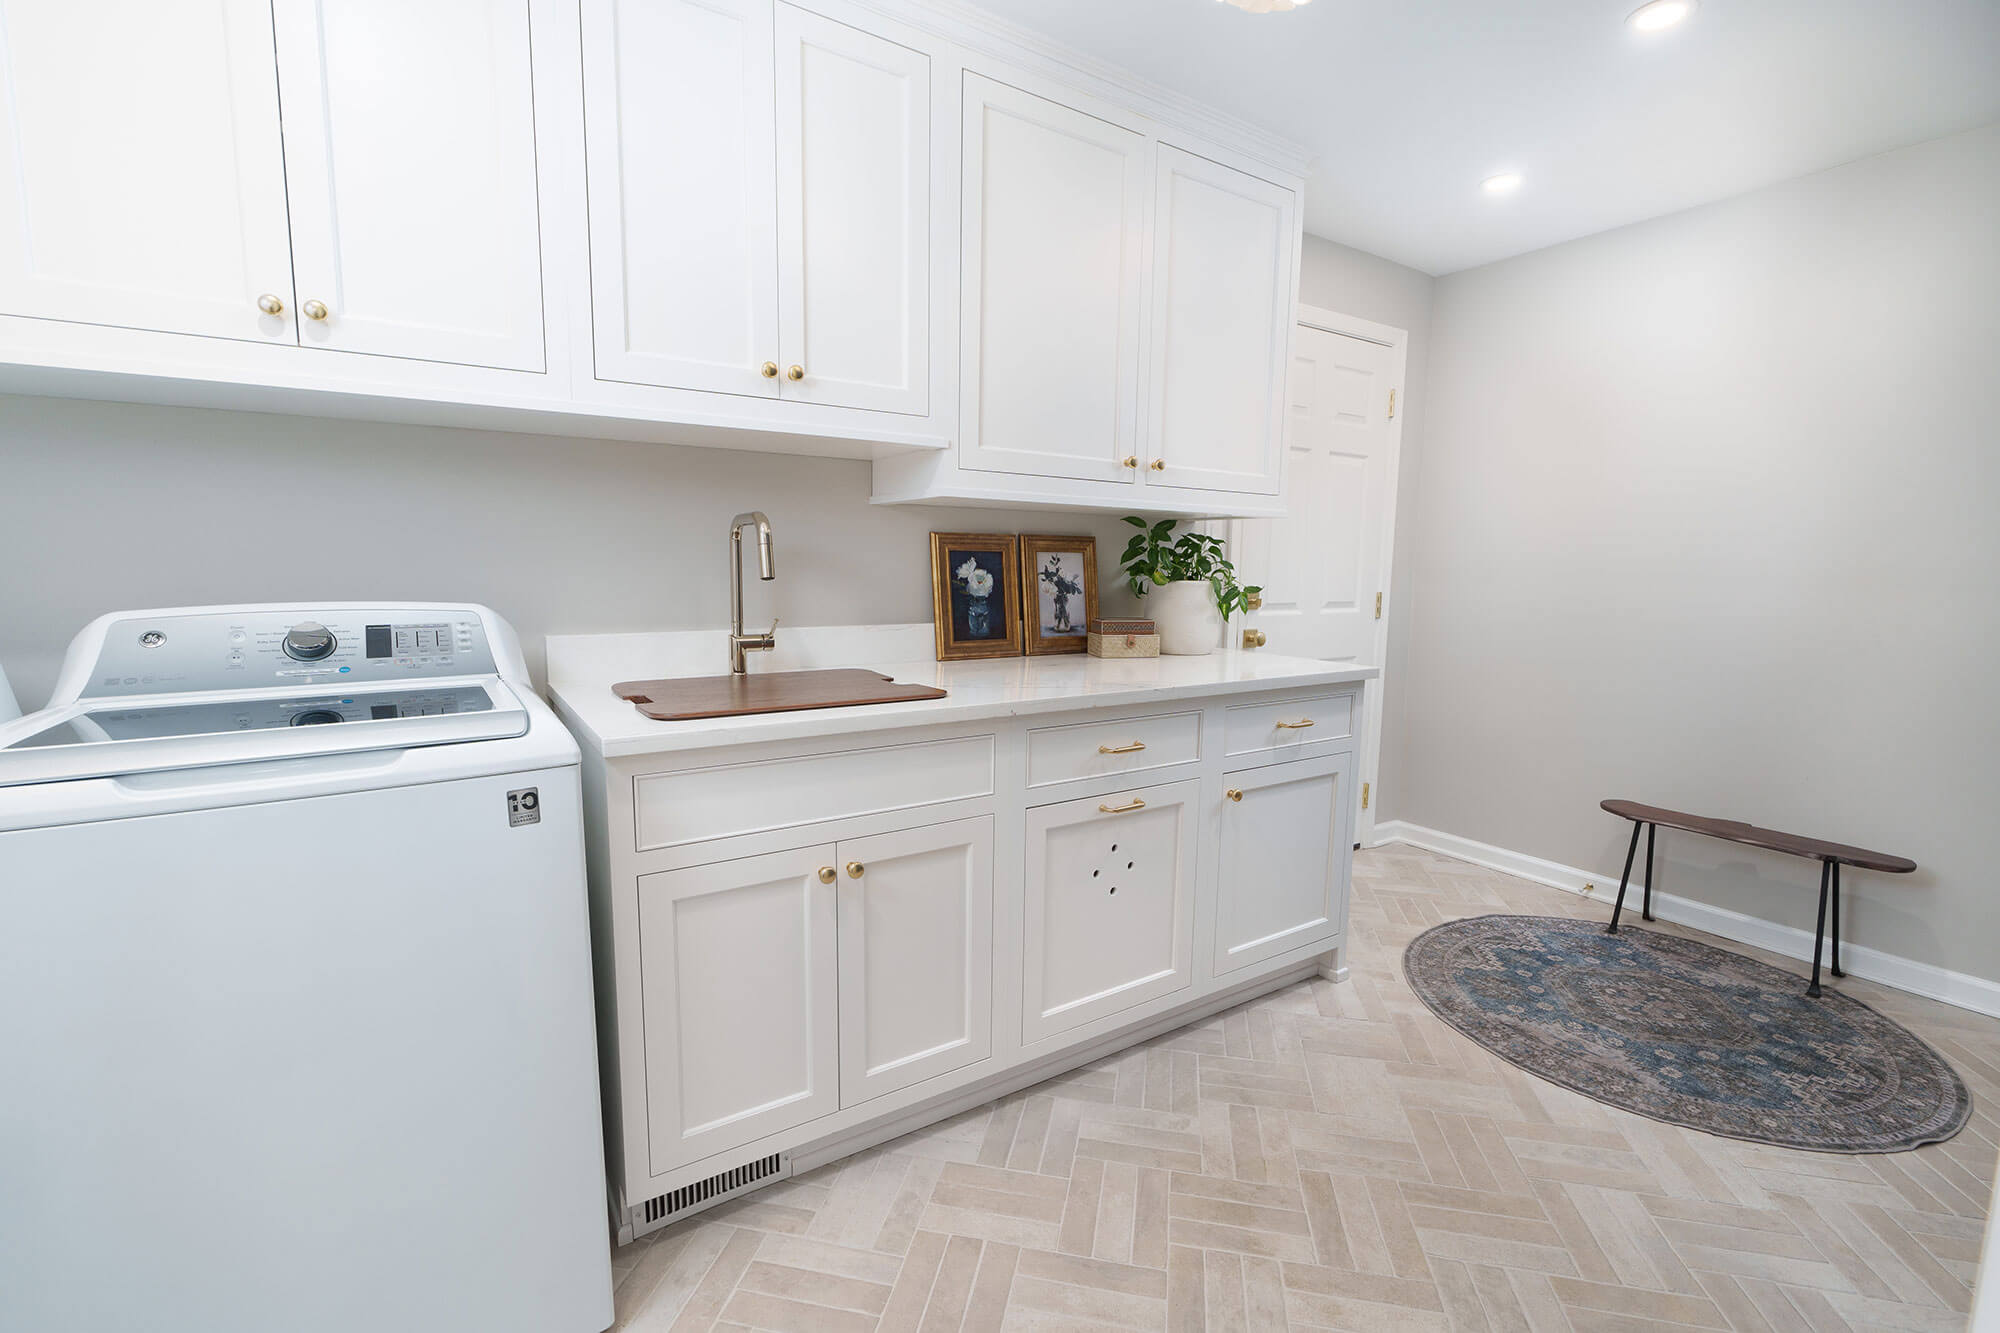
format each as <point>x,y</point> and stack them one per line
<point>295,1004</point>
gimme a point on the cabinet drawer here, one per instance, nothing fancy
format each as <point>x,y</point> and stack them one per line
<point>1103,749</point>
<point>696,804</point>
<point>1289,725</point>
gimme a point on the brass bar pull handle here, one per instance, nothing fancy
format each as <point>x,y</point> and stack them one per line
<point>1133,748</point>
<point>855,870</point>
<point>1134,804</point>
<point>1234,793</point>
<point>1295,726</point>
<point>826,874</point>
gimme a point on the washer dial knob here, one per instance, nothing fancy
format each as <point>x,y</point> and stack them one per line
<point>309,641</point>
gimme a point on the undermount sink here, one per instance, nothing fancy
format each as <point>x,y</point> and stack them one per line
<point>686,697</point>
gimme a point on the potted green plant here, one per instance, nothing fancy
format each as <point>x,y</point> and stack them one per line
<point>1188,586</point>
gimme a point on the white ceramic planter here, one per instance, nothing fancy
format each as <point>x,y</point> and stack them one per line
<point>1190,625</point>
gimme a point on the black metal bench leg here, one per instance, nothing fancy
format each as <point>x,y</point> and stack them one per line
<point>1836,921</point>
<point>1623,880</point>
<point>1646,903</point>
<point>1819,936</point>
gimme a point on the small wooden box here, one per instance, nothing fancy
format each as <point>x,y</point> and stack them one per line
<point>1124,638</point>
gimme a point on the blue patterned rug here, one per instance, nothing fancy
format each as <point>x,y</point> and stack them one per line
<point>1687,1033</point>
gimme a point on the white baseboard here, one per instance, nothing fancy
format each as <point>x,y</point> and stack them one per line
<point>1937,983</point>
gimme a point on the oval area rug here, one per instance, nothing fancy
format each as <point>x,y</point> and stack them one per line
<point>1684,1032</point>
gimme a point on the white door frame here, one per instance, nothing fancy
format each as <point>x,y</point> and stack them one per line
<point>1332,321</point>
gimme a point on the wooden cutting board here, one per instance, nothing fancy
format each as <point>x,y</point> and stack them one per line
<point>690,697</point>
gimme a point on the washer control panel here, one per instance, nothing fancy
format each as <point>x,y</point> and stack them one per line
<point>229,651</point>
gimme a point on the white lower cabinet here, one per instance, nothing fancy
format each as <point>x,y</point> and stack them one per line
<point>973,906</point>
<point>741,997</point>
<point>1282,882</point>
<point>1109,905</point>
<point>916,955</point>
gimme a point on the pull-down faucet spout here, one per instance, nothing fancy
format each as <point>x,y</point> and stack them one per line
<point>739,642</point>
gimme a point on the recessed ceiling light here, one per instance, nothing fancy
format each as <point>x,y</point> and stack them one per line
<point>1660,14</point>
<point>1505,183</point>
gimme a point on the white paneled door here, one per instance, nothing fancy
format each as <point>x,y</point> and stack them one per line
<point>680,148</point>
<point>142,177</point>
<point>1224,245</point>
<point>1109,904</point>
<point>410,160</point>
<point>916,955</point>
<point>1054,210</point>
<point>854,207</point>
<point>1282,884</point>
<point>741,1037</point>
<point>1324,566</point>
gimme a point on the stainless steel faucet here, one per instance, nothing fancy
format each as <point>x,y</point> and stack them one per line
<point>739,642</point>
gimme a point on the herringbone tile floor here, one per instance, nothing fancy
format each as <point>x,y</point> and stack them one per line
<point>1335,1157</point>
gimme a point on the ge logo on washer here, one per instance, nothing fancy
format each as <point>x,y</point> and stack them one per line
<point>524,807</point>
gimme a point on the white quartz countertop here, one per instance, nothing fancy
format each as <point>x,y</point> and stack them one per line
<point>583,668</point>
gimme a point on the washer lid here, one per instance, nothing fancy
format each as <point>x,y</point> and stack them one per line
<point>108,738</point>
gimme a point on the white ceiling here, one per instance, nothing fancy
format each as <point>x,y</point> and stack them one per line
<point>1406,105</point>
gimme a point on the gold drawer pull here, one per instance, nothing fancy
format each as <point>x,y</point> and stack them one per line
<point>1234,793</point>
<point>826,874</point>
<point>855,870</point>
<point>1295,726</point>
<point>769,370</point>
<point>1133,748</point>
<point>1134,804</point>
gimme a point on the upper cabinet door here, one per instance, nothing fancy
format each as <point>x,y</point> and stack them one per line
<point>679,142</point>
<point>854,208</point>
<point>1223,285</point>
<point>142,181</point>
<point>1054,212</point>
<point>410,156</point>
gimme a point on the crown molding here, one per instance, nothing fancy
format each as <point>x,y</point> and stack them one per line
<point>988,34</point>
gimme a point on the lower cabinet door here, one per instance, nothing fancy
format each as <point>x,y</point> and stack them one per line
<point>1109,905</point>
<point>1286,831</point>
<point>916,955</point>
<point>737,962</point>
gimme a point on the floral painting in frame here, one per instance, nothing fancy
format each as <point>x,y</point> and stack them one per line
<point>1058,592</point>
<point>975,595</point>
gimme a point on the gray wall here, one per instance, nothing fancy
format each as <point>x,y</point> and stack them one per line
<point>1353,282</point>
<point>109,506</point>
<point>1709,516</point>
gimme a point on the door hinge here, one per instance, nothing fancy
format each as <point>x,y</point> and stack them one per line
<point>1378,606</point>
<point>1364,796</point>
<point>1392,404</point>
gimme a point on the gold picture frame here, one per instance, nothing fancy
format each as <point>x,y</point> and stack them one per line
<point>975,595</point>
<point>1058,592</point>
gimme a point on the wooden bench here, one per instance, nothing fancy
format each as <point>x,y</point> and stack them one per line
<point>1830,855</point>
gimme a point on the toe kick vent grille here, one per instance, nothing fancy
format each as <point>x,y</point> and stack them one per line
<point>722,1185</point>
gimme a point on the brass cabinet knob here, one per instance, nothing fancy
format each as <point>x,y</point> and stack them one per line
<point>795,373</point>
<point>270,304</point>
<point>1131,461</point>
<point>826,874</point>
<point>1234,793</point>
<point>314,309</point>
<point>855,870</point>
<point>1158,465</point>
<point>770,369</point>
<point>1253,638</point>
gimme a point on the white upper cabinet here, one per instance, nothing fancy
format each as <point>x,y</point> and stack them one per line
<point>854,207</point>
<point>142,181</point>
<point>1223,287</point>
<point>410,160</point>
<point>681,156</point>
<point>1054,212</point>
